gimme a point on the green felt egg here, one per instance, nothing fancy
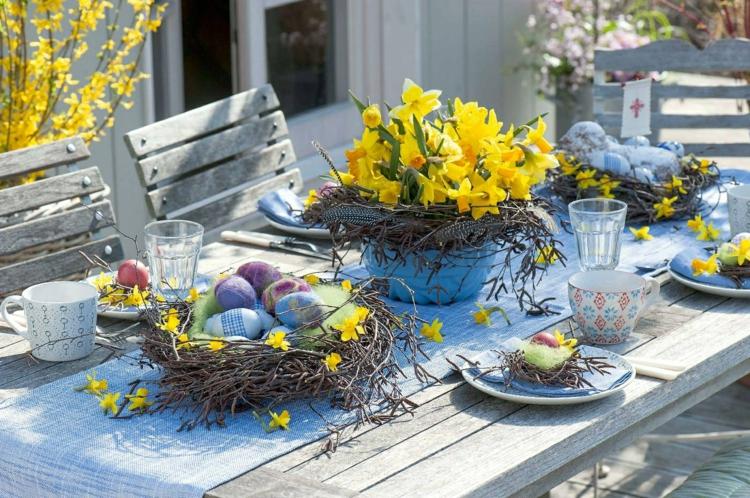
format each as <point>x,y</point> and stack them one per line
<point>545,357</point>
<point>725,254</point>
<point>205,306</point>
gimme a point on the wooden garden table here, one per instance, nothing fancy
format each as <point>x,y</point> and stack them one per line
<point>460,441</point>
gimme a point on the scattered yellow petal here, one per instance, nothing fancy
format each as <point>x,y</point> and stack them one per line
<point>641,233</point>
<point>108,403</point>
<point>432,331</point>
<point>312,279</point>
<point>280,421</point>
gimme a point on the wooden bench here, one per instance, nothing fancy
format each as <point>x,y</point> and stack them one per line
<point>730,57</point>
<point>44,224</point>
<point>213,163</point>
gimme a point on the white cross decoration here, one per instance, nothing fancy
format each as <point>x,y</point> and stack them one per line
<point>636,108</point>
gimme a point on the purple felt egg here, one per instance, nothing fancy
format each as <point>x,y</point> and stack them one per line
<point>259,274</point>
<point>235,292</point>
<point>281,288</point>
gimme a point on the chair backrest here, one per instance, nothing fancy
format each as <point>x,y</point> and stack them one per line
<point>44,224</point>
<point>212,164</point>
<point>729,57</point>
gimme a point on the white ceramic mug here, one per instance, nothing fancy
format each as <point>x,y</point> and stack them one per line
<point>607,304</point>
<point>60,318</point>
<point>738,203</point>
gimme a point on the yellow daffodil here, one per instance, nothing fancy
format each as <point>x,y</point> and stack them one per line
<point>606,184</point>
<point>568,167</point>
<point>280,421</point>
<point>312,197</point>
<point>566,343</point>
<point>332,361</point>
<point>704,166</point>
<point>136,297</point>
<point>664,208</point>
<point>676,185</point>
<point>192,297</point>
<point>371,116</point>
<point>183,341</point>
<point>277,340</point>
<point>742,251</point>
<point>362,313</point>
<point>312,279</point>
<point>432,331</point>
<point>170,321</point>
<point>216,344</point>
<point>462,195</point>
<point>708,232</point>
<point>347,285</point>
<point>350,328</point>
<point>707,267</point>
<point>586,179</point>
<point>696,224</point>
<point>537,136</point>
<point>546,256</point>
<point>641,233</point>
<point>416,102</point>
<point>108,403</point>
<point>139,401</point>
<point>102,281</point>
<point>93,385</point>
<point>483,315</point>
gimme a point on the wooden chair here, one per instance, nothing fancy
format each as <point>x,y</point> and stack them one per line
<point>728,57</point>
<point>211,164</point>
<point>44,224</point>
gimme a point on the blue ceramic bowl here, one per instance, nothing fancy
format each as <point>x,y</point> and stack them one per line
<point>459,277</point>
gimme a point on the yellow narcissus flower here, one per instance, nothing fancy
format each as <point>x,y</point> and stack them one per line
<point>707,267</point>
<point>347,285</point>
<point>362,313</point>
<point>102,281</point>
<point>708,232</point>
<point>537,136</point>
<point>546,256</point>
<point>332,361</point>
<point>312,197</point>
<point>432,331</point>
<point>312,279</point>
<point>93,385</point>
<point>350,328</point>
<point>742,251</point>
<point>218,344</point>
<point>586,179</point>
<point>664,208</point>
<point>696,223</point>
<point>139,401</point>
<point>277,340</point>
<point>170,321</point>
<point>192,297</point>
<point>416,102</point>
<point>136,297</point>
<point>641,233</point>
<point>483,315</point>
<point>371,116</point>
<point>279,421</point>
<point>108,403</point>
<point>676,185</point>
<point>570,344</point>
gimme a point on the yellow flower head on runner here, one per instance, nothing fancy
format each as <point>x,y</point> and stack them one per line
<point>108,403</point>
<point>432,331</point>
<point>708,232</point>
<point>641,233</point>
<point>664,208</point>
<point>139,401</point>
<point>279,421</point>
<point>696,223</point>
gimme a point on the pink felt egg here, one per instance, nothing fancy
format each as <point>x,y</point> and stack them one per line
<point>259,274</point>
<point>546,339</point>
<point>281,288</point>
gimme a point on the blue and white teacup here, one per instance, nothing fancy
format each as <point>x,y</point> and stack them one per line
<point>60,319</point>
<point>607,304</point>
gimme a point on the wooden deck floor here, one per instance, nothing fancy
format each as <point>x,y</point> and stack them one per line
<point>652,469</point>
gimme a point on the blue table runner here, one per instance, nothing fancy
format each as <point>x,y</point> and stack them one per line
<point>56,442</point>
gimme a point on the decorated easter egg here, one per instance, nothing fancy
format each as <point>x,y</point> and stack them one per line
<point>266,319</point>
<point>611,162</point>
<point>612,139</point>
<point>675,147</point>
<point>739,237</point>
<point>235,322</point>
<point>545,338</point>
<point>727,254</point>
<point>259,274</point>
<point>327,188</point>
<point>644,175</point>
<point>235,292</point>
<point>132,273</point>
<point>582,139</point>
<point>300,308</point>
<point>281,288</point>
<point>637,141</point>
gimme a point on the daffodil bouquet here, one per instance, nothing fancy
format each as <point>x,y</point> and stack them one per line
<point>678,197</point>
<point>439,181</point>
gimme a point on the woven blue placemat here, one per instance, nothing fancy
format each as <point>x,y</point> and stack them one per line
<point>55,442</point>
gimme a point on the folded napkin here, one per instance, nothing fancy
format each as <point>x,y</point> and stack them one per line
<point>599,382</point>
<point>680,264</point>
<point>284,207</point>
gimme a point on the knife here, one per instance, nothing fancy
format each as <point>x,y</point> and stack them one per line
<point>288,244</point>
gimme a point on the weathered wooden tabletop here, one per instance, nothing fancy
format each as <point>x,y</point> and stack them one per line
<point>460,441</point>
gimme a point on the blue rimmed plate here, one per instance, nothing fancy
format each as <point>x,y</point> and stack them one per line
<point>536,394</point>
<point>120,312</point>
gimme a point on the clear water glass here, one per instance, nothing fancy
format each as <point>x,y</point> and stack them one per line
<point>173,247</point>
<point>598,225</point>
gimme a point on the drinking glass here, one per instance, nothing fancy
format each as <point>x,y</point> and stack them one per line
<point>598,224</point>
<point>173,247</point>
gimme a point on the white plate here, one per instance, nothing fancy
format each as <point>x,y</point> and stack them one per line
<point>710,289</point>
<point>202,283</point>
<point>499,390</point>
<point>314,233</point>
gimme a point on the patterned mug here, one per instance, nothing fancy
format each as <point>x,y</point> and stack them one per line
<point>60,319</point>
<point>738,204</point>
<point>607,304</point>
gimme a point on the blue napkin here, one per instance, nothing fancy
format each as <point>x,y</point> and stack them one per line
<point>284,207</point>
<point>681,264</point>
<point>599,382</point>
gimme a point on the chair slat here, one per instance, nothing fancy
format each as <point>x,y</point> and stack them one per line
<point>678,55</point>
<point>719,150</point>
<point>613,91</point>
<point>611,120</point>
<point>39,157</point>
<point>193,155</point>
<point>49,229</point>
<point>57,265</point>
<point>243,203</point>
<point>199,187</point>
<point>56,188</point>
<point>201,121</point>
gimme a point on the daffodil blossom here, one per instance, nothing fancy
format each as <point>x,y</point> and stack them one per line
<point>432,331</point>
<point>312,279</point>
<point>742,251</point>
<point>93,385</point>
<point>277,340</point>
<point>566,343</point>
<point>108,403</point>
<point>641,233</point>
<point>664,208</point>
<point>332,361</point>
<point>546,256</point>
<point>347,285</point>
<point>708,232</point>
<point>139,401</point>
<point>696,223</point>
<point>279,421</point>
<point>707,267</point>
<point>102,281</point>
<point>416,102</point>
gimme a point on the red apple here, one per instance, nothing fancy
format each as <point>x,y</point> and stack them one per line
<point>132,273</point>
<point>546,339</point>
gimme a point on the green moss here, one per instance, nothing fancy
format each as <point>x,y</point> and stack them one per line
<point>335,297</point>
<point>545,357</point>
<point>205,307</point>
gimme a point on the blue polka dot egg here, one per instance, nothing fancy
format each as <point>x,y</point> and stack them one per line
<point>300,308</point>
